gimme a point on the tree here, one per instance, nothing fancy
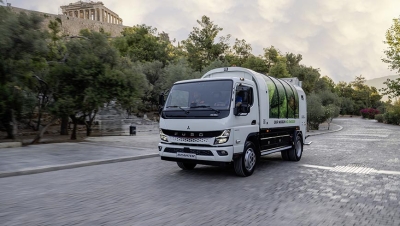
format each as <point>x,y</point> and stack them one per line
<point>239,52</point>
<point>346,105</point>
<point>256,64</point>
<point>342,89</point>
<point>127,83</point>
<point>331,111</point>
<point>141,43</point>
<point>324,83</point>
<point>22,55</point>
<point>271,56</point>
<point>279,69</point>
<point>177,71</point>
<point>292,62</point>
<point>83,79</point>
<point>201,45</point>
<point>308,75</point>
<point>392,88</point>
<point>393,41</point>
<point>315,111</point>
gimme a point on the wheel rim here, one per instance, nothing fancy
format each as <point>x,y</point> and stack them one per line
<point>298,148</point>
<point>249,159</point>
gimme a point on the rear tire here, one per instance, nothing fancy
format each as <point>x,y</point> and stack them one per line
<point>296,152</point>
<point>186,165</point>
<point>246,163</point>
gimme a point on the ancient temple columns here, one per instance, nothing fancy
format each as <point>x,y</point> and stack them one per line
<point>91,11</point>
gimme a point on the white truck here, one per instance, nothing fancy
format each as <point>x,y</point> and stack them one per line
<point>232,116</point>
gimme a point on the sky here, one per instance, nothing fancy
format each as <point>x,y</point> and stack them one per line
<point>342,38</point>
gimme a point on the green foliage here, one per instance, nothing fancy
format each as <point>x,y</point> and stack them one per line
<point>328,98</point>
<point>22,55</point>
<point>331,111</point>
<point>202,47</point>
<point>141,43</point>
<point>308,75</point>
<point>379,117</point>
<point>279,69</point>
<point>239,53</point>
<point>256,64</point>
<point>346,106</point>
<point>393,51</point>
<point>315,111</point>
<point>392,88</point>
<point>80,82</point>
<point>324,83</point>
<point>393,116</point>
<point>293,62</point>
<point>271,55</point>
<point>177,71</point>
<point>364,96</point>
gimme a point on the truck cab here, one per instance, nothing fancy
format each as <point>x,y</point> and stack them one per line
<point>232,116</point>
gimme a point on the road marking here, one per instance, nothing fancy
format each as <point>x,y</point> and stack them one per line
<point>353,169</point>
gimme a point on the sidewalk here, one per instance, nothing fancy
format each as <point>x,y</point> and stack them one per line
<point>91,151</point>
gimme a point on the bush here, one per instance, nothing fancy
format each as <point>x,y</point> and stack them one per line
<point>369,113</point>
<point>379,117</point>
<point>392,116</point>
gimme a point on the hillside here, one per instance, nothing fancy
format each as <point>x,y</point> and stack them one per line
<point>378,83</point>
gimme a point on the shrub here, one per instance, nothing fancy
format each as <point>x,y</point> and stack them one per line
<point>369,113</point>
<point>393,116</point>
<point>379,117</point>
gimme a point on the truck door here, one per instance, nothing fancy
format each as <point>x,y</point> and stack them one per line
<point>246,114</point>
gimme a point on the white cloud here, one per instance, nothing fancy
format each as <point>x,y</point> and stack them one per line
<point>342,38</point>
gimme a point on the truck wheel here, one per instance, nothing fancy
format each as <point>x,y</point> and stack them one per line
<point>186,165</point>
<point>246,163</point>
<point>296,152</point>
<point>285,155</point>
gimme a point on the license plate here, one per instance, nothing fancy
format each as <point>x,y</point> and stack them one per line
<point>185,155</point>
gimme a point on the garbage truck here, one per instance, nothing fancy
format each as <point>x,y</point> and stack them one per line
<point>232,117</point>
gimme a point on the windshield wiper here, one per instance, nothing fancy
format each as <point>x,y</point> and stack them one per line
<point>206,106</point>
<point>175,106</point>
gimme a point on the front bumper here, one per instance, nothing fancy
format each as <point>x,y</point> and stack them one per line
<point>207,155</point>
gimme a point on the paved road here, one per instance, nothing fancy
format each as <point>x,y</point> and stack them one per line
<point>314,191</point>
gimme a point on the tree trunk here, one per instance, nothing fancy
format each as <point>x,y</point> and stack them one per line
<point>37,128</point>
<point>90,123</point>
<point>10,124</point>
<point>41,132</point>
<point>75,122</point>
<point>64,125</point>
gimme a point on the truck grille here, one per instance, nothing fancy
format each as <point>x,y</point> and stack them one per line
<point>190,140</point>
<point>193,151</point>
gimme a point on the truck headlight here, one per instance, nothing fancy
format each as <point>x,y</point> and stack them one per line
<point>163,137</point>
<point>223,138</point>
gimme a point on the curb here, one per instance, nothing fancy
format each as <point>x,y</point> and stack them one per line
<point>332,131</point>
<point>50,168</point>
<point>10,144</point>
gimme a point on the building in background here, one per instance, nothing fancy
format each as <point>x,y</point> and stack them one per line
<point>95,11</point>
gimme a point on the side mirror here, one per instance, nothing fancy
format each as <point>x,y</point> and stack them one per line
<point>244,108</point>
<point>161,99</point>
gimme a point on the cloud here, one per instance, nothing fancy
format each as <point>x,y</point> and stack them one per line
<point>342,38</point>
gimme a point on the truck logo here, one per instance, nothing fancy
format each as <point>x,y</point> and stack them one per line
<point>188,127</point>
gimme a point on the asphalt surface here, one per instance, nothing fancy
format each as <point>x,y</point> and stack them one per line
<point>93,151</point>
<point>351,177</point>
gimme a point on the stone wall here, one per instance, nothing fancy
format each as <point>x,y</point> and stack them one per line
<point>71,26</point>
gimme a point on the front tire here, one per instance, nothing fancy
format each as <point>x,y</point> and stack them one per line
<point>296,152</point>
<point>246,163</point>
<point>186,165</point>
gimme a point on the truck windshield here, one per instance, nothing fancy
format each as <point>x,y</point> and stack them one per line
<point>210,97</point>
